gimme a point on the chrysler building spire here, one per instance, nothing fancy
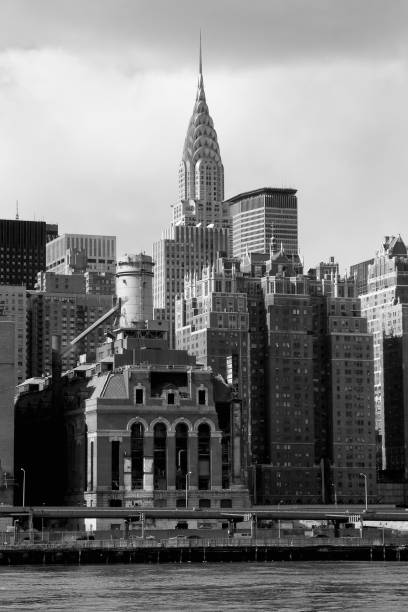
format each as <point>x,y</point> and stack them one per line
<point>201,173</point>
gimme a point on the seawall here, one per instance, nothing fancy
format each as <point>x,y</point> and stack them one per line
<point>37,554</point>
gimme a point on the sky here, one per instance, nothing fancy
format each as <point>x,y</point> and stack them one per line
<point>96,95</point>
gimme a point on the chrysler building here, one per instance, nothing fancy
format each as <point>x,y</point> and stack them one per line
<point>199,229</point>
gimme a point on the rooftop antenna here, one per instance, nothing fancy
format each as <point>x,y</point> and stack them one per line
<point>201,58</point>
<point>17,216</point>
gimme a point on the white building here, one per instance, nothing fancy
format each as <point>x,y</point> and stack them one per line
<point>71,253</point>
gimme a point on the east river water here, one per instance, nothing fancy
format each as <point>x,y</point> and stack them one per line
<point>294,587</point>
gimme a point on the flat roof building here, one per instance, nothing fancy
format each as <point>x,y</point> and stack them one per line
<point>259,215</point>
<point>73,253</point>
<point>23,250</point>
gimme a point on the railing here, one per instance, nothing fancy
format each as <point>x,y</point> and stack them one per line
<point>8,540</point>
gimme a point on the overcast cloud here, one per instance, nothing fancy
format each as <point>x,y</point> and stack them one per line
<point>95,98</point>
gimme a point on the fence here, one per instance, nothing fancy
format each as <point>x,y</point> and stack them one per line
<point>68,540</point>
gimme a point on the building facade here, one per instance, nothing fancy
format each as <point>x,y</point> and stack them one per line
<point>23,250</point>
<point>65,314</point>
<point>319,373</point>
<point>220,320</point>
<point>79,253</point>
<point>382,305</point>
<point>259,215</point>
<point>13,307</point>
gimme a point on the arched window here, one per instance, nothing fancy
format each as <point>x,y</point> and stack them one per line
<point>136,450</point>
<point>159,456</point>
<point>181,455</point>
<point>204,457</point>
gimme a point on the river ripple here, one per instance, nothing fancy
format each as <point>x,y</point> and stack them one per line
<point>241,587</point>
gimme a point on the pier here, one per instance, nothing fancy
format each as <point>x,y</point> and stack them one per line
<point>203,550</point>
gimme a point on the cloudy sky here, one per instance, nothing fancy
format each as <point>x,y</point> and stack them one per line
<point>95,98</point>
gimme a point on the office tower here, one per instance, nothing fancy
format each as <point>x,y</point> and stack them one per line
<point>7,392</point>
<point>384,304</point>
<point>262,214</point>
<point>79,253</point>
<point>199,228</point>
<point>319,400</point>
<point>13,307</point>
<point>23,250</point>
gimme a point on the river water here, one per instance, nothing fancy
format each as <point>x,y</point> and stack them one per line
<point>243,587</point>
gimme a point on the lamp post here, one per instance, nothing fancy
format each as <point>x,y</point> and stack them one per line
<point>365,489</point>
<point>279,524</point>
<point>335,493</point>
<point>24,485</point>
<point>187,475</point>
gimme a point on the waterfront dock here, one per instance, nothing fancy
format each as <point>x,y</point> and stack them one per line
<point>206,550</point>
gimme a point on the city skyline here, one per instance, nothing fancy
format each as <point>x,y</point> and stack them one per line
<point>94,107</point>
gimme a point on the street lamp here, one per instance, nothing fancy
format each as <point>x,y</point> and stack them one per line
<point>24,485</point>
<point>335,493</point>
<point>279,525</point>
<point>365,489</point>
<point>187,475</point>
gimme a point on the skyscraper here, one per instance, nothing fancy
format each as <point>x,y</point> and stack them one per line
<point>319,377</point>
<point>259,215</point>
<point>199,228</point>
<point>384,301</point>
<point>22,250</point>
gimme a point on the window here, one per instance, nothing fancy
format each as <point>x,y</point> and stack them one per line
<point>226,503</point>
<point>202,397</point>
<point>115,465</point>
<point>139,396</point>
<point>181,455</point>
<point>170,398</point>
<point>136,449</point>
<point>204,463</point>
<point>159,456</point>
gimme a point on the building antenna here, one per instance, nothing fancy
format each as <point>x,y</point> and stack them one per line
<point>17,216</point>
<point>201,58</point>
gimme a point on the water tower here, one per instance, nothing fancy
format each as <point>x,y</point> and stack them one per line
<point>134,276</point>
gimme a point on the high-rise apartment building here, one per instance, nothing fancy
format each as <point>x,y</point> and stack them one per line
<point>200,219</point>
<point>220,320</point>
<point>261,215</point>
<point>319,373</point>
<point>76,253</point>
<point>23,250</point>
<point>384,303</point>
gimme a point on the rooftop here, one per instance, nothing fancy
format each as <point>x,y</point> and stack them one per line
<point>262,191</point>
